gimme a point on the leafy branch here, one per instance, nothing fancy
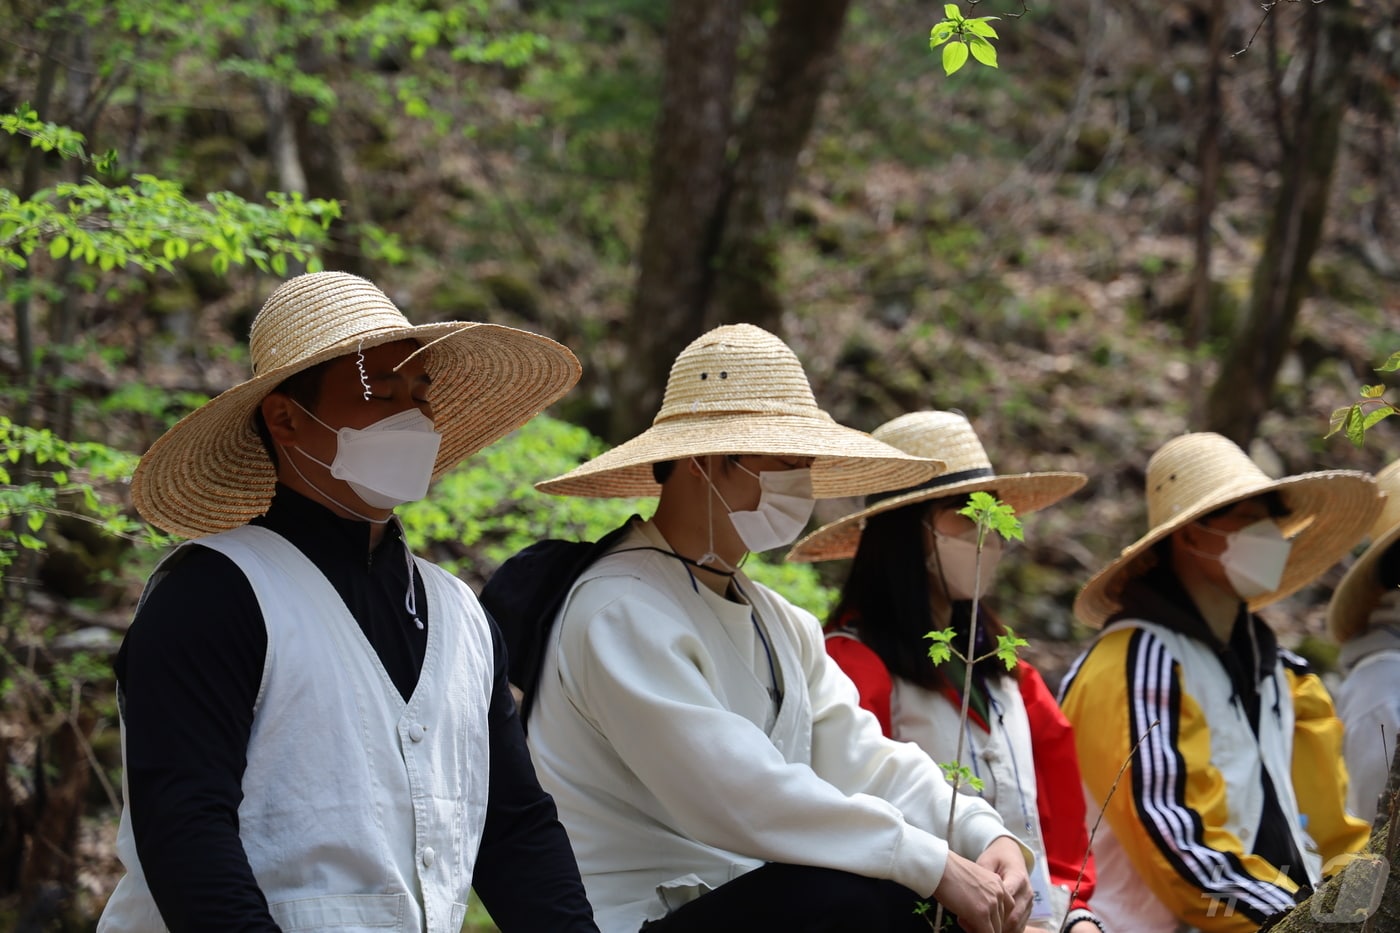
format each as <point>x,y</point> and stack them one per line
<point>1371,409</point>
<point>989,515</point>
<point>71,471</point>
<point>149,223</point>
<point>961,36</point>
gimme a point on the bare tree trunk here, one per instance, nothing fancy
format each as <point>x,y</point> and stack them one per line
<point>282,137</point>
<point>1208,170</point>
<point>682,224</point>
<point>802,50</point>
<point>323,159</point>
<point>50,873</point>
<point>1244,388</point>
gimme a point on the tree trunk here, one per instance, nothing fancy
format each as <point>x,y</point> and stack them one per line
<point>1208,169</point>
<point>802,51</point>
<point>50,875</point>
<point>1350,891</point>
<point>682,224</point>
<point>1244,388</point>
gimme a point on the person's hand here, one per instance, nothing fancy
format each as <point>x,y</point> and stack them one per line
<point>976,895</point>
<point>1004,859</point>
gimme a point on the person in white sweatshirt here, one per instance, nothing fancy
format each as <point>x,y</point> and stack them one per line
<point>713,768</point>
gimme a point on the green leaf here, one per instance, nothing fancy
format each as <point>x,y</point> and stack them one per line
<point>1390,365</point>
<point>1006,648</point>
<point>951,11</point>
<point>1376,416</point>
<point>1338,420</point>
<point>59,247</point>
<point>954,57</point>
<point>1356,426</point>
<point>940,34</point>
<point>35,520</point>
<point>983,51</point>
<point>941,648</point>
<point>1375,391</point>
<point>981,27</point>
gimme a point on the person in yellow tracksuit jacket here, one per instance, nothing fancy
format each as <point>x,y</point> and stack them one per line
<point>1230,803</point>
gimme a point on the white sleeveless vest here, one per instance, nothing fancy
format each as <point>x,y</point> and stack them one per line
<point>360,811</point>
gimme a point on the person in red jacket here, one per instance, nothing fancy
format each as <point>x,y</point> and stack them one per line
<point>915,569</point>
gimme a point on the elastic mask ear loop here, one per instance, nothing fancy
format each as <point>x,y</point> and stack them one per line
<point>710,557</point>
<point>938,560</point>
<point>328,496</point>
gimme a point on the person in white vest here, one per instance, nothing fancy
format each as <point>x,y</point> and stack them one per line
<point>317,730</point>
<point>1364,616</point>
<point>1233,798</point>
<point>915,568</point>
<point>713,768</point>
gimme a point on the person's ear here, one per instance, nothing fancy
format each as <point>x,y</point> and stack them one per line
<point>283,418</point>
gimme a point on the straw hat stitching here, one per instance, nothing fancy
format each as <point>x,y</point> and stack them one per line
<point>209,473</point>
<point>740,390</point>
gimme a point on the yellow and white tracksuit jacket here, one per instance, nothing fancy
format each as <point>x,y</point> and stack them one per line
<point>1234,797</point>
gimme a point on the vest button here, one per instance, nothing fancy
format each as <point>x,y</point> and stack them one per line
<point>428,856</point>
<point>416,731</point>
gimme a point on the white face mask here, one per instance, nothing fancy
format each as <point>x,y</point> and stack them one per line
<point>785,504</point>
<point>387,463</point>
<point>1254,557</point>
<point>955,558</point>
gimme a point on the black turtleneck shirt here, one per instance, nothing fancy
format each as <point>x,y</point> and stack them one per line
<point>188,674</point>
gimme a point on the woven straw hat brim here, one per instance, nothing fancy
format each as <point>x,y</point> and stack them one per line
<point>209,473</point>
<point>1024,492</point>
<point>1329,512</point>
<point>847,462</point>
<point>1349,613</point>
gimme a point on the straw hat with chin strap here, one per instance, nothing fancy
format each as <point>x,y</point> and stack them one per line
<point>1349,613</point>
<point>740,390</point>
<point>1196,474</point>
<point>210,472</point>
<point>949,436</point>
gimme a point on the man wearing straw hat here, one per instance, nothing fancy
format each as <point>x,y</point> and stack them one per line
<point>1365,617</point>
<point>713,768</point>
<point>1232,801</point>
<point>317,731</point>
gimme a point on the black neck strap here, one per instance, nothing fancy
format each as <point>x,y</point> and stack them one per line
<point>938,482</point>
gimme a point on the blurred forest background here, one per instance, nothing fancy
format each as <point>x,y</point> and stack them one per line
<point>1124,232</point>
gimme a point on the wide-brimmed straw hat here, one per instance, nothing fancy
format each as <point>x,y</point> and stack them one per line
<point>949,436</point>
<point>1195,474</point>
<point>1349,613</point>
<point>740,390</point>
<point>210,472</point>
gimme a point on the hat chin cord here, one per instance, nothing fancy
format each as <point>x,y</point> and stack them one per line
<point>327,496</point>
